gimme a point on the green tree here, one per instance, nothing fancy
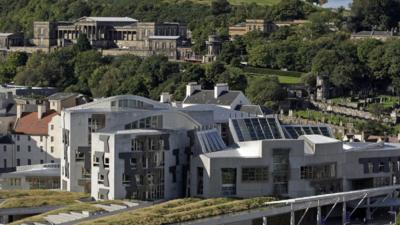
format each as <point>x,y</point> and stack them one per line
<point>220,7</point>
<point>263,90</point>
<point>83,44</point>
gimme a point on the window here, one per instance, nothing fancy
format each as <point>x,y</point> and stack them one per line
<point>126,178</point>
<point>51,138</point>
<point>29,138</point>
<point>318,172</point>
<point>96,161</point>
<point>133,163</point>
<point>41,138</point>
<point>29,148</point>
<point>41,161</point>
<point>5,163</point>
<point>17,137</point>
<point>370,167</point>
<point>41,148</point>
<point>137,145</point>
<point>200,175</point>
<point>381,167</point>
<point>52,149</point>
<point>52,161</point>
<point>29,162</point>
<point>5,148</point>
<point>254,174</point>
<point>228,177</point>
<point>106,162</point>
<point>51,127</point>
<point>18,162</point>
<point>144,162</point>
<point>18,148</point>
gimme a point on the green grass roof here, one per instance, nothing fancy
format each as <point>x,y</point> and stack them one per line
<point>181,210</point>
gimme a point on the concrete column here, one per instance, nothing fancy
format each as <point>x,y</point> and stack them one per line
<point>265,222</point>
<point>319,216</point>
<point>344,213</point>
<point>368,212</point>
<point>292,218</point>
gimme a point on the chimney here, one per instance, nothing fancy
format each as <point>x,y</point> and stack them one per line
<point>19,111</point>
<point>191,88</point>
<point>219,88</point>
<point>165,97</point>
<point>41,110</point>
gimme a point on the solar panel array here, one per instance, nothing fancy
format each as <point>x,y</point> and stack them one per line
<point>294,132</point>
<point>210,141</point>
<point>251,129</point>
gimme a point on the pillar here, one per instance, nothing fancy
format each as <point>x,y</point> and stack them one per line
<point>368,208</point>
<point>265,222</point>
<point>319,216</point>
<point>344,213</point>
<point>292,217</point>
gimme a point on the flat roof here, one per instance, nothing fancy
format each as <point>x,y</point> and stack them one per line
<point>164,37</point>
<point>110,19</point>
<point>320,139</point>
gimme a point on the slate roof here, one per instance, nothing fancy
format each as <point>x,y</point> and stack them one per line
<point>61,96</point>
<point>207,97</point>
<point>30,124</point>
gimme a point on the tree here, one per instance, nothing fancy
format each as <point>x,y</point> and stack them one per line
<point>8,69</point>
<point>83,44</point>
<point>378,14</point>
<point>365,47</point>
<point>263,90</point>
<point>220,7</point>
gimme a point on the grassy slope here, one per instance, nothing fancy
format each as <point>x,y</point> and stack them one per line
<point>285,77</point>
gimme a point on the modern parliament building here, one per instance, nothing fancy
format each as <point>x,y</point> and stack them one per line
<point>216,143</point>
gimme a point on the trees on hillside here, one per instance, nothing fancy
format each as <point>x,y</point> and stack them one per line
<point>374,14</point>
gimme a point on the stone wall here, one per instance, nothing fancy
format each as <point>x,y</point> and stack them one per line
<point>344,110</point>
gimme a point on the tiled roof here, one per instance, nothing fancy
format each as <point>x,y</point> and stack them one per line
<point>30,124</point>
<point>207,97</point>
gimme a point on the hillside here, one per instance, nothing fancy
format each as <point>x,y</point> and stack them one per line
<point>238,2</point>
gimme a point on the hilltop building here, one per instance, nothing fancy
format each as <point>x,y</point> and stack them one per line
<point>117,33</point>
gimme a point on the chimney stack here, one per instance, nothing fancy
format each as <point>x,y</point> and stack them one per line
<point>219,89</point>
<point>41,110</point>
<point>19,111</point>
<point>165,97</point>
<point>191,88</point>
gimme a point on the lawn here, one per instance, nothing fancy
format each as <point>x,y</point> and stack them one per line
<point>177,211</point>
<point>284,77</point>
<point>37,198</point>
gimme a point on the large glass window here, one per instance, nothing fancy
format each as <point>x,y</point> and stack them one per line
<point>280,166</point>
<point>228,181</point>
<point>154,122</point>
<point>317,172</point>
<point>254,174</point>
